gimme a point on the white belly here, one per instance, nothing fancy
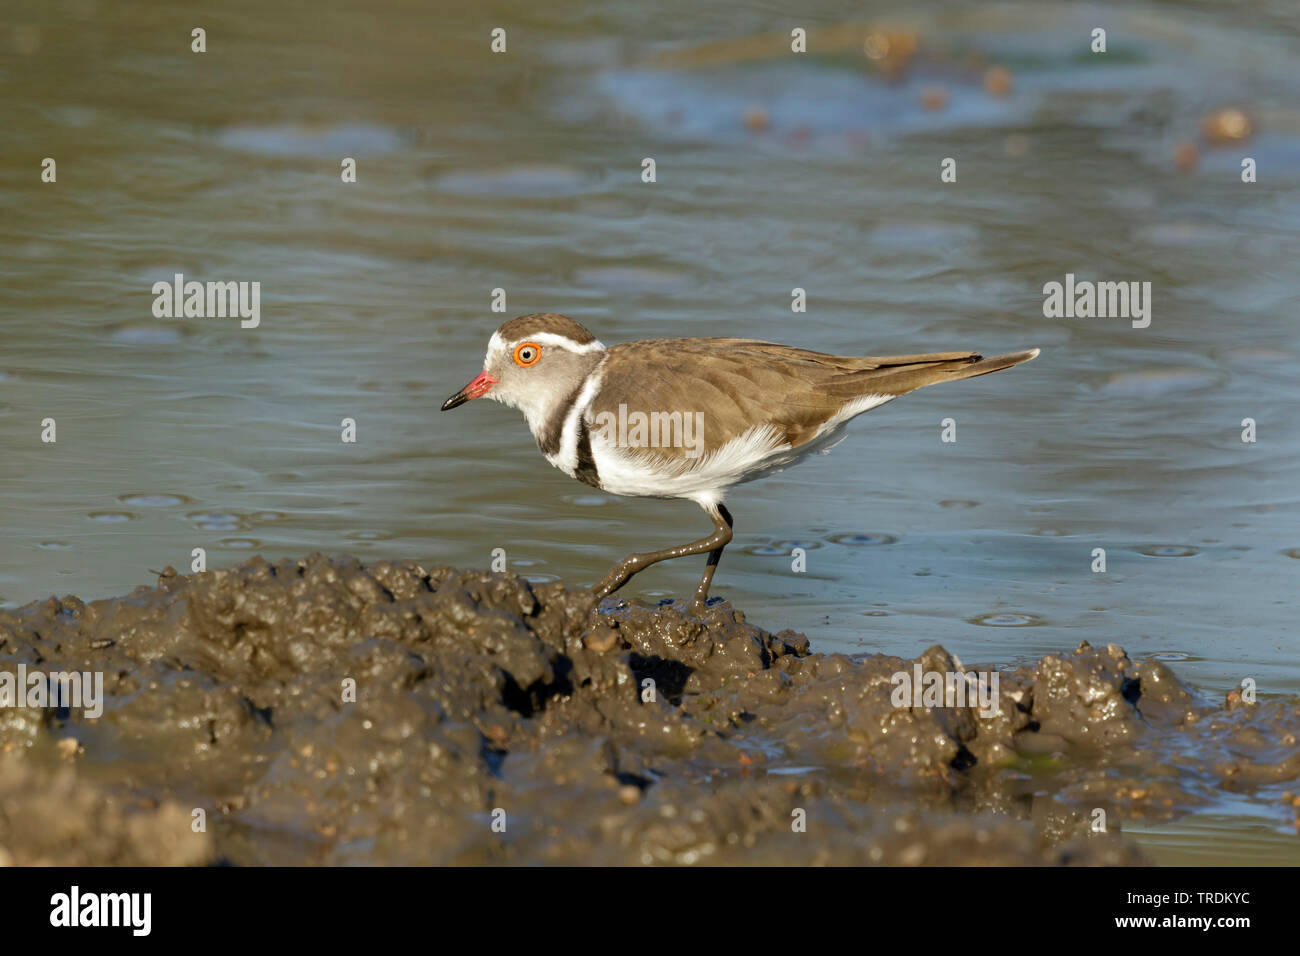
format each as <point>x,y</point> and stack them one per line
<point>759,452</point>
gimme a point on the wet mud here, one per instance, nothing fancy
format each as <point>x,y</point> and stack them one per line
<point>322,711</point>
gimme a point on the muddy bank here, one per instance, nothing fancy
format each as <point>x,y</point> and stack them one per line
<point>321,711</point>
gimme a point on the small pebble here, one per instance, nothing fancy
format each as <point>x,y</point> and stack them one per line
<point>914,855</point>
<point>997,80</point>
<point>600,640</point>
<point>1227,126</point>
<point>756,119</point>
<point>934,98</point>
<point>876,46</point>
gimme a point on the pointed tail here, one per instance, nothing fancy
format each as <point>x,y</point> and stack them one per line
<point>900,374</point>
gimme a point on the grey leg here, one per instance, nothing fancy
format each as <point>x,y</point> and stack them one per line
<point>622,572</point>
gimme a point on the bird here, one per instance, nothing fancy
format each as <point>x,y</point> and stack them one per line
<point>689,417</point>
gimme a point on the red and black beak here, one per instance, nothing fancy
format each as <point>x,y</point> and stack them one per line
<point>475,389</point>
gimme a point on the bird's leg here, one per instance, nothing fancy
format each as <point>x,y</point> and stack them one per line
<point>702,592</point>
<point>622,572</point>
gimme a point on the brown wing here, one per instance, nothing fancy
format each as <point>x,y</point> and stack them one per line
<point>739,383</point>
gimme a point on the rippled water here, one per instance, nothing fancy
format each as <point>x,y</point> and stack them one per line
<point>522,171</point>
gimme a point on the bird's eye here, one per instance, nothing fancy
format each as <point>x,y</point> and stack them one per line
<point>527,353</point>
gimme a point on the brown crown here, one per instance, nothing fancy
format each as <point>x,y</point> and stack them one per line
<point>552,322</point>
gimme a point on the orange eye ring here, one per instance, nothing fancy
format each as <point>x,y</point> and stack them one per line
<point>527,354</point>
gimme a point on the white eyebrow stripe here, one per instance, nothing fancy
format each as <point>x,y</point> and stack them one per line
<point>498,345</point>
<point>564,342</point>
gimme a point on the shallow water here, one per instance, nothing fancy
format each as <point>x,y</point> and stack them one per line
<point>522,172</point>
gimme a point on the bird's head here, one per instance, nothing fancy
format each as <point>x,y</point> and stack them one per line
<point>536,363</point>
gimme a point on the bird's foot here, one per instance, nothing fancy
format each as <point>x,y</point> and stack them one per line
<point>701,604</point>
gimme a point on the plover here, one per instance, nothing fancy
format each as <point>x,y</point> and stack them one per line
<point>689,418</point>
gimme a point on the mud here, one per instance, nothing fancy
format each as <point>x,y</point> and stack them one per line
<point>497,721</point>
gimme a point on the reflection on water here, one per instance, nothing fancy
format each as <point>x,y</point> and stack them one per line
<point>523,172</point>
